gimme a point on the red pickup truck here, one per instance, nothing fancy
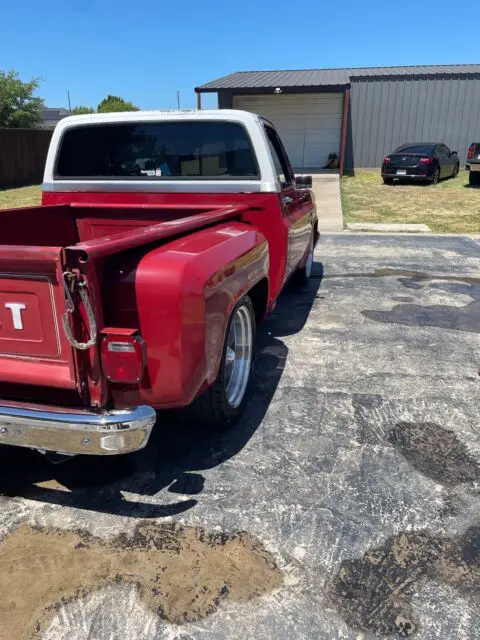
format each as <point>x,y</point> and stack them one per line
<point>162,240</point>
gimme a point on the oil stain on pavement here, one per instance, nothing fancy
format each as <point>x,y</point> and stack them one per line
<point>373,593</point>
<point>466,318</point>
<point>436,452</point>
<point>181,573</point>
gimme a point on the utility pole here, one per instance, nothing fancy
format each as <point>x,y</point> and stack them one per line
<point>178,99</point>
<point>69,103</point>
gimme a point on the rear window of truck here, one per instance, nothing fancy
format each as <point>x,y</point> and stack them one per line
<point>157,151</point>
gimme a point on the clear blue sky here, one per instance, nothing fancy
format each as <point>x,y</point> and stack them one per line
<point>145,51</point>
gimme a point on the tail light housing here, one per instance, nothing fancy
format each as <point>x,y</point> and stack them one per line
<point>387,160</point>
<point>124,355</point>
<point>426,160</point>
<point>471,151</point>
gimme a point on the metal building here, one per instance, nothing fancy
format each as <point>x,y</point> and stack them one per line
<point>359,114</point>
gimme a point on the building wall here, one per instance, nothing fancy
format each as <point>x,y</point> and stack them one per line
<point>387,112</point>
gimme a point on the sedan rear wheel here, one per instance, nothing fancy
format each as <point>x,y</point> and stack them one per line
<point>436,176</point>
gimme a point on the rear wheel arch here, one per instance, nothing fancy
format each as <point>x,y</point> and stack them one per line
<point>219,405</point>
<point>211,405</point>
<point>258,294</point>
<point>315,233</point>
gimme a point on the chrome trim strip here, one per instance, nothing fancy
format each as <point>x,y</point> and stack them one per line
<point>77,432</point>
<point>170,186</point>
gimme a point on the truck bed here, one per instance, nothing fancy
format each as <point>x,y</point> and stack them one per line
<point>38,244</point>
<point>72,224</point>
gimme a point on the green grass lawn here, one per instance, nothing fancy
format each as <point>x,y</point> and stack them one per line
<point>21,197</point>
<point>451,206</point>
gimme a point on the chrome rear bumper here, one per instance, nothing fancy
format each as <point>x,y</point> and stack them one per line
<point>73,431</point>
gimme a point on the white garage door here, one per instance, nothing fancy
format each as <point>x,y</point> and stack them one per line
<point>309,124</point>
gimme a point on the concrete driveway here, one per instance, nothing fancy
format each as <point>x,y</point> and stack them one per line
<point>345,504</point>
<point>326,190</point>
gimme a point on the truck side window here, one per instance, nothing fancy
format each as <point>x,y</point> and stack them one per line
<point>282,166</point>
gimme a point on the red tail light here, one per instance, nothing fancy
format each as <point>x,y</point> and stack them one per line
<point>387,159</point>
<point>123,355</point>
<point>471,150</point>
<point>425,161</point>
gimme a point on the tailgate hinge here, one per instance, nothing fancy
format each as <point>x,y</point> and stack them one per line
<point>74,281</point>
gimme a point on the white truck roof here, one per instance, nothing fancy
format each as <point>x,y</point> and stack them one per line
<point>252,122</point>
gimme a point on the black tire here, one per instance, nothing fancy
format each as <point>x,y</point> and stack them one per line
<point>302,275</point>
<point>436,176</point>
<point>474,178</point>
<point>213,406</point>
<point>456,169</point>
<point>387,180</point>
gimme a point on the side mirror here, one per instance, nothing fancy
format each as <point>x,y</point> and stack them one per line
<point>453,153</point>
<point>303,182</point>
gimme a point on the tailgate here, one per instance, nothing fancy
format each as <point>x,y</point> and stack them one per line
<point>33,347</point>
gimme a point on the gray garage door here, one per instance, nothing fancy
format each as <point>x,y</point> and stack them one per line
<point>309,124</point>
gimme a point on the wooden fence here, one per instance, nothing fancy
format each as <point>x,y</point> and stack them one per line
<point>22,156</point>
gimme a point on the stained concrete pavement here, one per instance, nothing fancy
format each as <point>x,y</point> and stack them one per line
<point>356,465</point>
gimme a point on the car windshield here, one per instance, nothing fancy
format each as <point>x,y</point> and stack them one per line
<point>417,148</point>
<point>158,151</point>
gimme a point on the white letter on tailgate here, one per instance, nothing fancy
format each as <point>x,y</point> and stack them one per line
<point>16,308</point>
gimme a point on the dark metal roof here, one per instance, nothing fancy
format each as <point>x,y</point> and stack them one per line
<point>328,77</point>
<point>53,113</point>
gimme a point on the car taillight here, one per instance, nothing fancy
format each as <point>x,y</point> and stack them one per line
<point>425,161</point>
<point>387,159</point>
<point>471,151</point>
<point>123,355</point>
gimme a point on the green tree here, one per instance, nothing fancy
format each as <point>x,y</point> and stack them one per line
<point>19,107</point>
<point>111,104</point>
<point>78,111</point>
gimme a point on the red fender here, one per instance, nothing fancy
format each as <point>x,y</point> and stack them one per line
<point>180,296</point>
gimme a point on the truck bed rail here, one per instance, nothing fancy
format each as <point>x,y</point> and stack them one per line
<point>102,247</point>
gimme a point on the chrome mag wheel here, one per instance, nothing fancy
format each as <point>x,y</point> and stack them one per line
<point>238,356</point>
<point>309,263</point>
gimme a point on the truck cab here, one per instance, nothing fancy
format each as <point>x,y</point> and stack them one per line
<point>162,240</point>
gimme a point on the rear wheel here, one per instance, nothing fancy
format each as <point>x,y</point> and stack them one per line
<point>387,180</point>
<point>226,398</point>
<point>302,274</point>
<point>474,178</point>
<point>455,170</point>
<point>436,176</point>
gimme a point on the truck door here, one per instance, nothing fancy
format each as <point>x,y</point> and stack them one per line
<point>295,215</point>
